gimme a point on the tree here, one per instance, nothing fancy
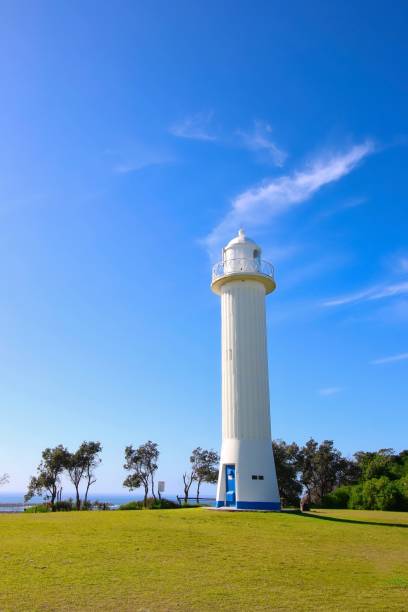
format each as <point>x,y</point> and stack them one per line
<point>188,479</point>
<point>47,481</point>
<point>142,463</point>
<point>91,458</point>
<point>75,468</point>
<point>287,466</point>
<point>4,479</point>
<point>322,468</point>
<point>81,465</point>
<point>204,467</point>
<point>377,464</point>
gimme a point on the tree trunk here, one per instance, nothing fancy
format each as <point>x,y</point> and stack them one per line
<point>188,480</point>
<point>198,490</point>
<point>52,500</point>
<point>86,492</point>
<point>153,493</point>
<point>146,488</point>
<point>78,499</point>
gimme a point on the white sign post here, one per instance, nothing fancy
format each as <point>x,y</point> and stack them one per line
<point>161,486</point>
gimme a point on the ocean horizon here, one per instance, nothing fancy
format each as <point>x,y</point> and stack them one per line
<point>114,499</point>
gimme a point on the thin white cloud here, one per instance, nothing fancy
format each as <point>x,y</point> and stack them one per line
<point>259,140</point>
<point>377,292</point>
<point>194,127</point>
<point>135,166</point>
<point>138,157</point>
<point>327,391</point>
<point>392,359</point>
<point>260,204</point>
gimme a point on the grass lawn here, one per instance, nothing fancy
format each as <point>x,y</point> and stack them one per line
<point>197,559</point>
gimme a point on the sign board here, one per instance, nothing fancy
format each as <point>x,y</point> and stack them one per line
<point>161,486</point>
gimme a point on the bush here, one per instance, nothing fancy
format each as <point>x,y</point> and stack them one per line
<point>381,494</point>
<point>38,508</point>
<point>339,498</point>
<point>63,506</point>
<point>133,505</point>
<point>151,504</point>
<point>402,485</point>
<point>356,501</point>
<point>378,494</point>
<point>165,504</point>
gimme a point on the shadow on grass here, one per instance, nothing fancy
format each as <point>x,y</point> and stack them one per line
<point>334,519</point>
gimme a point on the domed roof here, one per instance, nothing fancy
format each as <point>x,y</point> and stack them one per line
<point>241,239</point>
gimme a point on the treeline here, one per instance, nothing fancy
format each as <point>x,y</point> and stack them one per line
<point>79,466</point>
<point>367,481</point>
<point>141,463</point>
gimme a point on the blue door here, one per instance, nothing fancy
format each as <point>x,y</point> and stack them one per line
<point>230,485</point>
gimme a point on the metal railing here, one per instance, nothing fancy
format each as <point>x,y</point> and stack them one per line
<point>201,501</point>
<point>242,265</point>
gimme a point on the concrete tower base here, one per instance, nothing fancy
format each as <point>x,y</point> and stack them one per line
<point>256,487</point>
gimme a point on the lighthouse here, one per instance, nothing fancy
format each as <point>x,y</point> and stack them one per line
<point>247,476</point>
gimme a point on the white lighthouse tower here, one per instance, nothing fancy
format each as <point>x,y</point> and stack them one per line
<point>247,478</point>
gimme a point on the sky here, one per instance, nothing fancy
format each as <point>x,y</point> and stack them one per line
<point>136,138</point>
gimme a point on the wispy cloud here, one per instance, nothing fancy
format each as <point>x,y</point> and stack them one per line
<point>327,391</point>
<point>260,204</point>
<point>137,157</point>
<point>259,140</point>
<point>195,127</point>
<point>377,292</point>
<point>392,359</point>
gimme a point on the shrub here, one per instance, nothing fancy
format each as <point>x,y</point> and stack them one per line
<point>339,498</point>
<point>38,508</point>
<point>63,506</point>
<point>356,501</point>
<point>402,485</point>
<point>133,505</point>
<point>378,494</point>
<point>151,504</point>
<point>381,494</point>
<point>165,504</point>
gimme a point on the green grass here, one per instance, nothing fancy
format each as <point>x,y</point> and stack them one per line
<point>204,560</point>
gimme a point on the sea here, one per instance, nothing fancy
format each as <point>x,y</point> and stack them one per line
<point>14,502</point>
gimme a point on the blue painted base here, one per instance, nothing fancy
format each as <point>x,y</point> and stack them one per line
<point>244,505</point>
<point>252,505</point>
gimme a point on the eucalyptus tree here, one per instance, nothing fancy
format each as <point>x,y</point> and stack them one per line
<point>204,467</point>
<point>48,479</point>
<point>91,458</point>
<point>142,465</point>
<point>286,458</point>
<point>81,466</point>
<point>188,479</point>
<point>322,468</point>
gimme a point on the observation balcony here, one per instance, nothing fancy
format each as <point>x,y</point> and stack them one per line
<point>243,269</point>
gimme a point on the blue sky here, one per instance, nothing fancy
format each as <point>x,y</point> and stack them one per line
<point>136,139</point>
